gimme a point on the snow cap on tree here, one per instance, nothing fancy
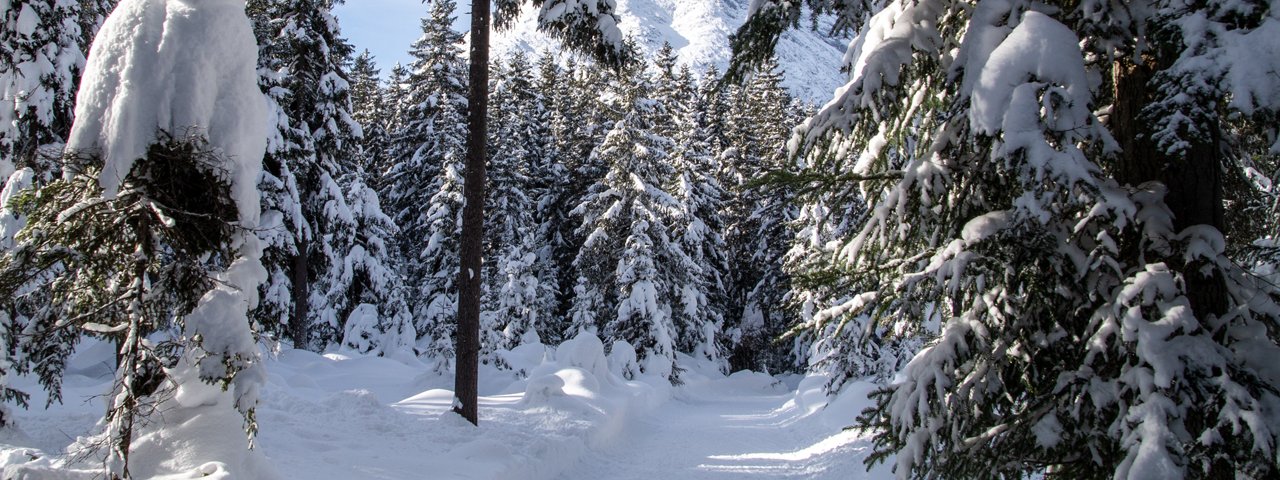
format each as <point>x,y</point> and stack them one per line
<point>143,76</point>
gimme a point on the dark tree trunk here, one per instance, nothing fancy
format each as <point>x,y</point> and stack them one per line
<point>1194,179</point>
<point>468,334</point>
<point>301,289</point>
<point>1139,161</point>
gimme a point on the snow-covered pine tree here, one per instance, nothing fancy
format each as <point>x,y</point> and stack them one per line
<point>128,289</point>
<point>579,123</point>
<point>282,311</point>
<point>41,56</point>
<point>1087,320</point>
<point>549,180</point>
<point>515,301</point>
<point>370,110</point>
<point>759,220</point>
<point>699,314</point>
<point>425,185</point>
<point>395,96</point>
<point>379,321</point>
<point>670,90</point>
<point>148,238</point>
<point>629,262</point>
<point>304,53</point>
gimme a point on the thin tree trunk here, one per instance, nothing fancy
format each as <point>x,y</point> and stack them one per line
<point>466,376</point>
<point>301,287</point>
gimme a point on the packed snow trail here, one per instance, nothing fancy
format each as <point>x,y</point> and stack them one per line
<point>722,430</point>
<point>341,416</point>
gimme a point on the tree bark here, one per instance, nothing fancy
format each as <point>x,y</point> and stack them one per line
<point>1194,179</point>
<point>301,287</point>
<point>466,376</point>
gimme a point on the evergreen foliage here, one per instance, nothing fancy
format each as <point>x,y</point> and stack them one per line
<point>1083,315</point>
<point>318,245</point>
<point>370,110</point>
<point>629,265</point>
<point>424,186</point>
<point>121,269</point>
<point>760,223</point>
<point>42,53</point>
<point>516,302</point>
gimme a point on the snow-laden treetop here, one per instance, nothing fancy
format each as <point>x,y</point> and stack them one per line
<point>141,79</point>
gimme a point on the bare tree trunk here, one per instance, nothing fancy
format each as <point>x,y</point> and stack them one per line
<point>468,334</point>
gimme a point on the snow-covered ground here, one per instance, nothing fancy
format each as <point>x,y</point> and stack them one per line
<point>340,416</point>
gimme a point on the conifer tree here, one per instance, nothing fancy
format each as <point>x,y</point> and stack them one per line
<point>425,184</point>
<point>759,221</point>
<point>548,185</point>
<point>395,96</point>
<point>41,55</point>
<point>629,265</point>
<point>370,110</point>
<point>700,315</point>
<point>379,321</point>
<point>318,143</point>
<point>579,123</point>
<point>1085,317</point>
<point>515,301</point>
<point>148,238</point>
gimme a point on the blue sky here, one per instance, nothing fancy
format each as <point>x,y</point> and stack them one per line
<point>386,27</point>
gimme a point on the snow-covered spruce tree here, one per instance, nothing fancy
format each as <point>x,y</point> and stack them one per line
<point>1089,323</point>
<point>435,261</point>
<point>424,186</point>
<point>579,123</point>
<point>629,262</point>
<point>548,181</point>
<point>304,56</point>
<point>282,310</point>
<point>379,321</point>
<point>12,316</point>
<point>699,314</point>
<point>673,92</point>
<point>516,302</point>
<point>369,109</point>
<point>396,97</point>
<point>148,239</point>
<point>759,220</point>
<point>41,56</point>
<point>126,289</point>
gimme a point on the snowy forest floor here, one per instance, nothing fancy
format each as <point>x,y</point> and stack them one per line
<point>342,416</point>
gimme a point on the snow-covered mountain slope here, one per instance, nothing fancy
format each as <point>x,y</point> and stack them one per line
<point>699,30</point>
